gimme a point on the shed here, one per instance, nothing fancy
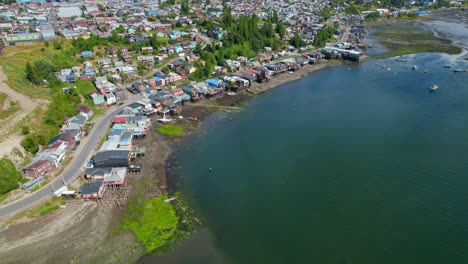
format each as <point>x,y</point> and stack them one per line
<point>32,183</point>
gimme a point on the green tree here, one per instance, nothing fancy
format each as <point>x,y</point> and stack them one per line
<point>280,29</point>
<point>30,145</point>
<point>184,7</point>
<point>275,18</point>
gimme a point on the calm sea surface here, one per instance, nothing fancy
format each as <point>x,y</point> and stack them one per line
<point>352,164</point>
<point>356,164</point>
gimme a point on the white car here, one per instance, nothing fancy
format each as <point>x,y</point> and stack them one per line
<point>89,164</point>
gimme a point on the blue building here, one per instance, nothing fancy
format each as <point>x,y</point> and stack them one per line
<point>86,54</point>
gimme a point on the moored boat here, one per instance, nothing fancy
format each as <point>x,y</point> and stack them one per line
<point>433,87</point>
<point>415,68</point>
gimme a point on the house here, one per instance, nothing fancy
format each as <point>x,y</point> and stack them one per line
<point>174,77</point>
<point>111,158</point>
<point>86,54</point>
<point>37,168</point>
<point>159,81</point>
<point>123,51</point>
<point>193,92</point>
<point>110,176</point>
<point>179,94</point>
<point>103,85</point>
<point>215,33</point>
<point>110,98</point>
<point>55,152</point>
<point>93,190</point>
<point>76,122</point>
<point>104,63</point>
<point>177,63</point>
<point>127,58</point>
<point>146,59</point>
<point>178,49</point>
<point>147,49</point>
<point>97,98</point>
<point>65,137</point>
<point>32,183</point>
<point>213,83</point>
<point>85,111</point>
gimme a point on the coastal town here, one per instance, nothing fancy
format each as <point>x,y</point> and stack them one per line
<point>125,68</point>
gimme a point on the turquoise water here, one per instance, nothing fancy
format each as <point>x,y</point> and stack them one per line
<point>355,164</point>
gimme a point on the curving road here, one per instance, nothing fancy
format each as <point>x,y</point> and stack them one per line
<point>71,171</point>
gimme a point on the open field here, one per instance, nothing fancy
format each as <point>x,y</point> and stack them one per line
<point>408,38</point>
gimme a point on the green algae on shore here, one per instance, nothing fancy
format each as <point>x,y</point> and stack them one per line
<point>408,38</point>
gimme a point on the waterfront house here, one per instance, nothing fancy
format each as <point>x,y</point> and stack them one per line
<point>93,190</point>
<point>111,158</point>
<point>109,176</point>
<point>193,92</point>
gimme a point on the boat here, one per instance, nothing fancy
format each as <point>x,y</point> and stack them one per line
<point>227,111</point>
<point>164,120</point>
<point>433,87</point>
<point>231,93</point>
<point>383,66</point>
<point>415,68</point>
<point>402,60</point>
<point>447,66</point>
<point>426,71</point>
<point>457,70</point>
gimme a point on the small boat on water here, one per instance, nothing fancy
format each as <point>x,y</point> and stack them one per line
<point>415,68</point>
<point>433,87</point>
<point>401,60</point>
<point>383,66</point>
<point>227,111</point>
<point>447,66</point>
<point>457,70</point>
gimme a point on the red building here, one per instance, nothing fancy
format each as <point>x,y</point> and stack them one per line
<point>38,168</point>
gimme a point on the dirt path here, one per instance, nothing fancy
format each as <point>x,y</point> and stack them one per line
<point>27,106</point>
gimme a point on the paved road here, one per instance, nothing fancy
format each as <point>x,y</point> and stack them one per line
<point>71,171</point>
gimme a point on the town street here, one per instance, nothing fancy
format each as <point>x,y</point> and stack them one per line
<point>71,171</point>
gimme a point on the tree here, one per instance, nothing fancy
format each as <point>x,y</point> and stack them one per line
<point>30,72</point>
<point>178,24</point>
<point>184,7</point>
<point>30,145</point>
<point>275,16</point>
<point>280,29</point>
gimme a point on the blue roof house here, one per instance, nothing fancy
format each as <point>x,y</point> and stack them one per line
<point>178,48</point>
<point>213,83</point>
<point>70,78</point>
<point>86,54</point>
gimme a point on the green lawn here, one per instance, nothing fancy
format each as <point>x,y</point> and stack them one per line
<point>44,209</point>
<point>171,130</point>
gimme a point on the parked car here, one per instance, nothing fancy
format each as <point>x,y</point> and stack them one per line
<point>89,164</point>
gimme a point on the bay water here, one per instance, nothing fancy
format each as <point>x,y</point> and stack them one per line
<point>352,164</point>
